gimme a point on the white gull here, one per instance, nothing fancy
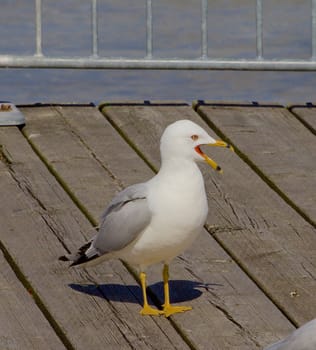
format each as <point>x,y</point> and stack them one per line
<point>303,338</point>
<point>155,221</point>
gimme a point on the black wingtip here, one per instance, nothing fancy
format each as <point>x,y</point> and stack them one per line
<point>83,259</point>
<point>80,257</point>
<point>79,260</point>
<point>63,258</point>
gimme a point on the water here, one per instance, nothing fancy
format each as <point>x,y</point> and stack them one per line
<point>66,31</point>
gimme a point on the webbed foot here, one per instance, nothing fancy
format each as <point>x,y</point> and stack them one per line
<point>150,311</point>
<point>170,310</point>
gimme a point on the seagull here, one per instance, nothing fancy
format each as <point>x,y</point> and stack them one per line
<point>303,338</point>
<point>155,221</point>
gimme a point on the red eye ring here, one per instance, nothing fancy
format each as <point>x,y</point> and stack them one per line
<point>194,137</point>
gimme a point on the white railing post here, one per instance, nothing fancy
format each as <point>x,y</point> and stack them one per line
<point>38,21</point>
<point>313,30</point>
<point>149,30</point>
<point>259,31</point>
<point>204,34</point>
<point>94,28</point>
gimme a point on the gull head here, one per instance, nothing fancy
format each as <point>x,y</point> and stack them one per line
<point>183,139</point>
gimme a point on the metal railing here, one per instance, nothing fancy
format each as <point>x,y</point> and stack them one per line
<point>203,62</point>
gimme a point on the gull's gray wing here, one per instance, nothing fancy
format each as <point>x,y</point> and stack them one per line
<point>122,221</point>
<point>125,217</point>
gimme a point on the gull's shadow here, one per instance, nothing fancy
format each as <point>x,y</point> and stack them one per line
<point>180,291</point>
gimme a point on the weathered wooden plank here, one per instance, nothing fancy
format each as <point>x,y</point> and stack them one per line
<point>236,311</point>
<point>39,221</point>
<point>277,143</point>
<point>22,325</point>
<point>307,114</point>
<point>266,236</point>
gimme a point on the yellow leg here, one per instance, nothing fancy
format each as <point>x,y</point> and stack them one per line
<point>168,309</point>
<point>147,310</point>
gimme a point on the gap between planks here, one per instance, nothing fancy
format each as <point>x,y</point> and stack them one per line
<point>40,304</point>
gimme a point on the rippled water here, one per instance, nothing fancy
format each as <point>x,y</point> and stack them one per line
<point>66,31</point>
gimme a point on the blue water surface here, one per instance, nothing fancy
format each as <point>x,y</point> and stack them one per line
<point>66,27</point>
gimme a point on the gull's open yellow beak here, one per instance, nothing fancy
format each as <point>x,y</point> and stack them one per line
<point>219,143</point>
<point>210,161</point>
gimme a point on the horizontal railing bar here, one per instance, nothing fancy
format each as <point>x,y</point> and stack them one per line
<point>8,61</point>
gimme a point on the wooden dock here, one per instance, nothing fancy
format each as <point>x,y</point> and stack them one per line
<point>251,275</point>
